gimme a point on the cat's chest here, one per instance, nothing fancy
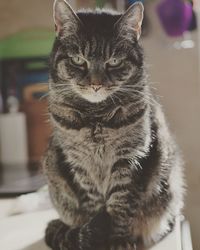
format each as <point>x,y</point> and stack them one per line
<point>93,149</point>
<point>96,148</point>
<point>95,143</point>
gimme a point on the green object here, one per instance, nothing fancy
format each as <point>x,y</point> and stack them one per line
<point>36,65</point>
<point>31,43</point>
<point>100,3</point>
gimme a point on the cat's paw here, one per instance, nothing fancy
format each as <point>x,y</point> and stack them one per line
<point>100,225</point>
<point>54,233</point>
<point>97,231</point>
<point>124,243</point>
<point>101,222</point>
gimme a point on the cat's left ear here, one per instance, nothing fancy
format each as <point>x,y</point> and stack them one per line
<point>132,19</point>
<point>64,16</point>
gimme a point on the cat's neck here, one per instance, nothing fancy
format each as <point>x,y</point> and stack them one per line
<point>108,113</point>
<point>95,110</point>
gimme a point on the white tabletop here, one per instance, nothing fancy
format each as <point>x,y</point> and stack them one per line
<point>26,231</point>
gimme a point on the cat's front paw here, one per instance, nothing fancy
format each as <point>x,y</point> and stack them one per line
<point>96,232</point>
<point>124,243</point>
<point>100,227</point>
<point>54,233</point>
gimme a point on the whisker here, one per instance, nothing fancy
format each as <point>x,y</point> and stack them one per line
<point>44,96</point>
<point>112,99</point>
<point>145,96</point>
<point>62,85</point>
<point>115,95</point>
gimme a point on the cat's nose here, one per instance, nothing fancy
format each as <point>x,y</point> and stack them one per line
<point>96,87</point>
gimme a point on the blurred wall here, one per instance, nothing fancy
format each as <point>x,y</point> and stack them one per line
<point>18,15</point>
<point>175,74</point>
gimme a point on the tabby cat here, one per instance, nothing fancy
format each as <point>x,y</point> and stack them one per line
<point>113,169</point>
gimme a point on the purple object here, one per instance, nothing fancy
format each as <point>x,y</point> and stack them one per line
<point>175,16</point>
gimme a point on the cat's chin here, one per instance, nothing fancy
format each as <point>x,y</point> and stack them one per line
<point>94,98</point>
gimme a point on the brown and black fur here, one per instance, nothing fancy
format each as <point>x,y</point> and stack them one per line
<point>113,169</point>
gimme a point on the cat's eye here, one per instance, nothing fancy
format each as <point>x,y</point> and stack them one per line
<point>77,60</point>
<point>114,62</point>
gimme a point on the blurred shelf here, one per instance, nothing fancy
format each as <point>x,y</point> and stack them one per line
<point>20,179</point>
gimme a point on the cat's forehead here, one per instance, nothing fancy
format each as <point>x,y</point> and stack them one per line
<point>98,21</point>
<point>96,35</point>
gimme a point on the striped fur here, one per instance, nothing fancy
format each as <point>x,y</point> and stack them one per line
<point>113,169</point>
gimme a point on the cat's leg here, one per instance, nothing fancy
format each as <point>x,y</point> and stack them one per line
<point>90,236</point>
<point>122,202</point>
<point>139,214</point>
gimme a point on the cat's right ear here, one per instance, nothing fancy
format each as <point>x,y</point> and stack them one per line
<point>64,16</point>
<point>131,20</point>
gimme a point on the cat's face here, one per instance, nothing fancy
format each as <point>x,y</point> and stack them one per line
<point>95,54</point>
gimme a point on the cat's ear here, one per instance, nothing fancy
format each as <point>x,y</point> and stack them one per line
<point>64,16</point>
<point>132,19</point>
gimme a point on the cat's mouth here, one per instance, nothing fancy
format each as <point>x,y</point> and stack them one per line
<point>94,93</point>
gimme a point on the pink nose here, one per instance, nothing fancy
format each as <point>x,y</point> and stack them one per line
<point>96,87</point>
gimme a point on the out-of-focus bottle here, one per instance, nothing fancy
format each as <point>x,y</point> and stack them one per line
<point>13,134</point>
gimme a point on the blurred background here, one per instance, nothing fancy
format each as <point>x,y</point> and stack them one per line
<point>171,41</point>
